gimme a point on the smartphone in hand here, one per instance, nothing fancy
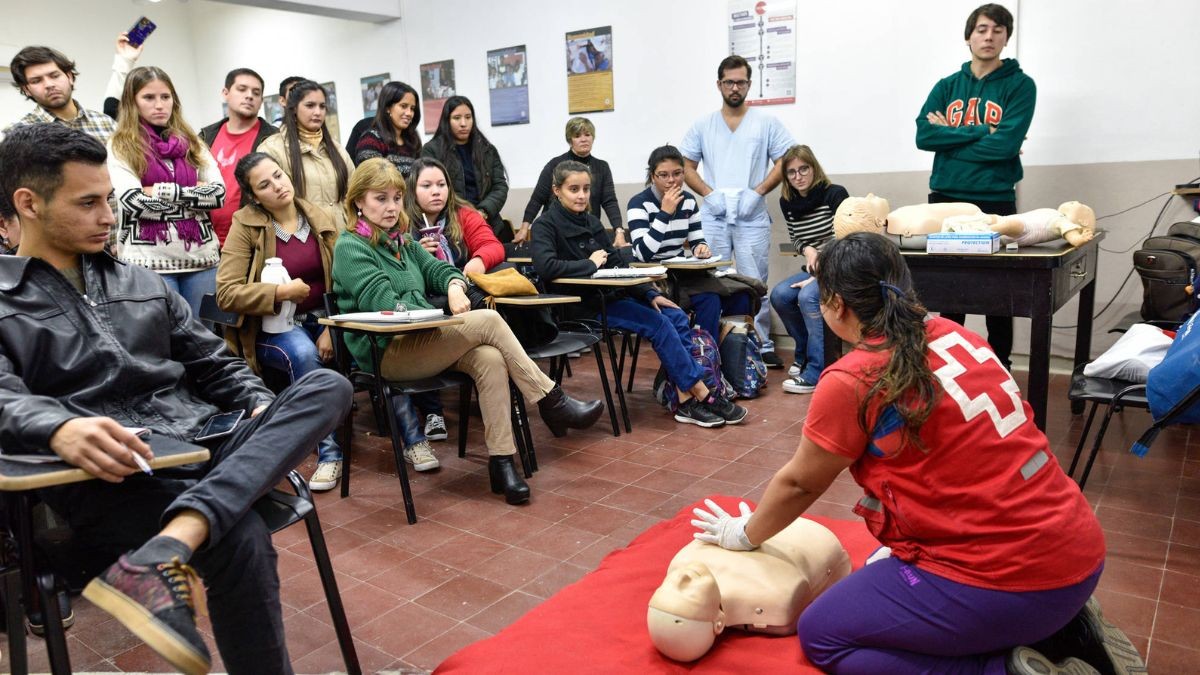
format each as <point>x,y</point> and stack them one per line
<point>140,31</point>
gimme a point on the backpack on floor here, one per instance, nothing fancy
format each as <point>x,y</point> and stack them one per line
<point>704,352</point>
<point>1168,267</point>
<point>741,357</point>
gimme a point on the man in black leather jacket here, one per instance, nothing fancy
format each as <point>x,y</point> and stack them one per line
<point>90,347</point>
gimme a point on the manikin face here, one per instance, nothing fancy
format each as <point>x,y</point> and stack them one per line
<point>272,187</point>
<point>155,103</point>
<point>581,145</point>
<point>987,40</point>
<point>49,86</point>
<point>734,86</point>
<point>310,112</point>
<point>575,193</point>
<point>431,191</point>
<point>245,97</point>
<point>690,592</point>
<point>667,175</point>
<point>402,111</point>
<point>77,218</point>
<point>462,121</point>
<point>799,175</point>
<point>381,208</point>
<point>878,206</point>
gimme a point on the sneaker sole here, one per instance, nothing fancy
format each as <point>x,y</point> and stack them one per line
<point>743,416</point>
<point>323,486</point>
<point>166,642</point>
<point>700,423</point>
<point>1124,656</point>
<point>426,466</point>
<point>437,437</point>
<point>799,391</point>
<point>1026,661</point>
<point>39,629</point>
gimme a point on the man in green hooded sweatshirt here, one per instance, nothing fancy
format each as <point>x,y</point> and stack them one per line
<point>974,122</point>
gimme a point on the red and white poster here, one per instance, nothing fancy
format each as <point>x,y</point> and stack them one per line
<point>764,33</point>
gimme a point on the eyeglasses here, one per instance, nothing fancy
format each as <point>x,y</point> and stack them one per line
<point>663,175</point>
<point>735,84</point>
<point>798,171</point>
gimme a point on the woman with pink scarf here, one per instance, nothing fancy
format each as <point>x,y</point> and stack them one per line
<point>165,182</point>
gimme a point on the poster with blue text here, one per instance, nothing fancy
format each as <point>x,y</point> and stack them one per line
<point>764,33</point>
<point>508,85</point>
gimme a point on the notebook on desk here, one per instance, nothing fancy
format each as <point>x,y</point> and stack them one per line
<point>626,272</point>
<point>411,316</point>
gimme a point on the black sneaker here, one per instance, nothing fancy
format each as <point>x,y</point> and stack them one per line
<point>37,622</point>
<point>772,360</point>
<point>1096,641</point>
<point>435,428</point>
<point>694,411</point>
<point>157,604</point>
<point>729,411</point>
<point>1026,661</point>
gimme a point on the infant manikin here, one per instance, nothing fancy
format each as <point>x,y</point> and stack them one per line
<point>908,225</point>
<point>708,588</point>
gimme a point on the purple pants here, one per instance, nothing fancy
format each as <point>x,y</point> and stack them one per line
<point>890,617</point>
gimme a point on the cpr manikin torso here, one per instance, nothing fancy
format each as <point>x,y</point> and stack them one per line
<point>764,590</point>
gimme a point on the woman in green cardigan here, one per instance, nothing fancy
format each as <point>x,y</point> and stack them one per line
<point>376,268</point>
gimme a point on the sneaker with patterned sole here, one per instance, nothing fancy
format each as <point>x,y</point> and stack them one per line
<point>158,604</point>
<point>729,411</point>
<point>326,476</point>
<point>421,456</point>
<point>1026,661</point>
<point>694,411</point>
<point>1090,637</point>
<point>435,428</point>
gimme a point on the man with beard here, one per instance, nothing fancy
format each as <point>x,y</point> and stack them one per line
<point>235,137</point>
<point>47,77</point>
<point>740,148</point>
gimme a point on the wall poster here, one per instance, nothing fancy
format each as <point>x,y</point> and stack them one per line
<point>764,33</point>
<point>508,85</point>
<point>437,85</point>
<point>372,86</point>
<point>589,70</point>
<point>331,111</point>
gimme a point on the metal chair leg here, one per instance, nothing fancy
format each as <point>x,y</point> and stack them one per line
<point>608,399</point>
<point>637,348</point>
<point>464,416</point>
<point>1087,427</point>
<point>18,658</point>
<point>1087,469</point>
<point>56,637</point>
<point>333,598</point>
<point>527,433</point>
<point>410,509</point>
<point>347,433</point>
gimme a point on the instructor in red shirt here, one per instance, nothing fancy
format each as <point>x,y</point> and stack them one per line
<point>994,551</point>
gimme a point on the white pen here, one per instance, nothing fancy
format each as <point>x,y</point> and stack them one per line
<point>142,463</point>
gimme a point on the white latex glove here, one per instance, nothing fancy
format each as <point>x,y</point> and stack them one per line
<point>749,204</point>
<point>715,201</point>
<point>722,529</point>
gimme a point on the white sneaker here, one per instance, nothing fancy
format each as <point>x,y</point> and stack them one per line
<point>798,385</point>
<point>421,456</point>
<point>794,370</point>
<point>326,476</point>
<point>435,428</point>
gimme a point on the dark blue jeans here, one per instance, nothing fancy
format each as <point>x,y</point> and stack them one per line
<point>891,617</point>
<point>668,332</point>
<point>295,353</point>
<point>238,562</point>
<point>800,311</point>
<point>710,307</point>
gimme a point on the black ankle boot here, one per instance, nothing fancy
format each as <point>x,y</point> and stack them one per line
<point>504,477</point>
<point>561,412</point>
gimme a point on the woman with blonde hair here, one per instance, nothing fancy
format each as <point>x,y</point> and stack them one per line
<point>166,183</point>
<point>375,268</point>
<point>304,148</point>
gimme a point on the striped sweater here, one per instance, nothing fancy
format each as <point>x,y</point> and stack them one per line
<point>657,235</point>
<point>810,218</point>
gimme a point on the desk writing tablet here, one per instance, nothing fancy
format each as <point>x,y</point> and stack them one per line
<point>520,260</point>
<point>612,281</point>
<point>168,452</point>
<point>696,265</point>
<point>392,328</point>
<point>540,299</point>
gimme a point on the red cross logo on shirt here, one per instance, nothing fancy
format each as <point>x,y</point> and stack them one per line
<point>980,360</point>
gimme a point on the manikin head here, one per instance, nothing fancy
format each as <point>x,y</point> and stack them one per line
<point>1079,213</point>
<point>861,214</point>
<point>685,614</point>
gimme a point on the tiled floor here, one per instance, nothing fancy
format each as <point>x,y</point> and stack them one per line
<point>472,564</point>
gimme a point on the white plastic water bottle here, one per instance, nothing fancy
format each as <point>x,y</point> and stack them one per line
<point>275,273</point>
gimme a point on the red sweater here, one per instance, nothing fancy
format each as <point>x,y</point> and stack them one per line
<point>481,242</point>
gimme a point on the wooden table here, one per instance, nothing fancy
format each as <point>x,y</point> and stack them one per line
<point>537,300</point>
<point>1033,282</point>
<point>383,330</point>
<point>699,264</point>
<point>520,260</point>
<point>613,282</point>
<point>17,481</point>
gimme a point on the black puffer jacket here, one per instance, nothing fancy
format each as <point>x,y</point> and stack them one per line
<point>129,349</point>
<point>560,246</point>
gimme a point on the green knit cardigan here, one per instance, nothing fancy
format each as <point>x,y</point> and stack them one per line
<point>372,278</point>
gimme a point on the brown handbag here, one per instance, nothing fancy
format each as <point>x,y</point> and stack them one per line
<point>503,284</point>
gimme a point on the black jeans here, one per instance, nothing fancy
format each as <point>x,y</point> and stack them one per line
<point>238,561</point>
<point>999,328</point>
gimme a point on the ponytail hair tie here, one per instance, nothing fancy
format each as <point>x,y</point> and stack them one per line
<point>884,287</point>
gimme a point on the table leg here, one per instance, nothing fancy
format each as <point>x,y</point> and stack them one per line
<point>612,358</point>
<point>410,509</point>
<point>1039,359</point>
<point>1083,333</point>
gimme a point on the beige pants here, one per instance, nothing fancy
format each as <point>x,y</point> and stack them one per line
<point>484,348</point>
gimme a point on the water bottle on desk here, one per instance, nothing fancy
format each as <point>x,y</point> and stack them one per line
<point>275,273</point>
